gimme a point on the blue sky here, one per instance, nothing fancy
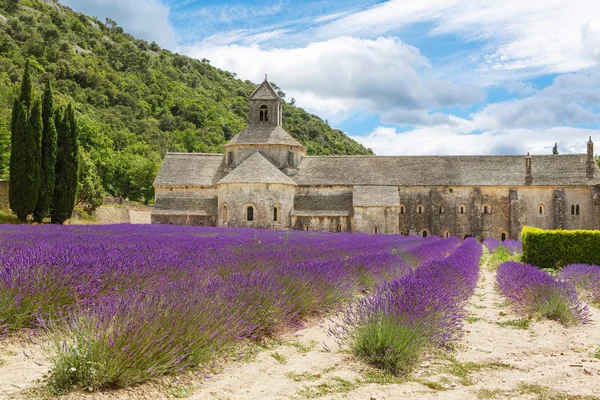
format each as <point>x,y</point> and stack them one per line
<point>403,76</point>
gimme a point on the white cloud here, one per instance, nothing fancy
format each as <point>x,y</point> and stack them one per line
<point>549,36</point>
<point>146,19</point>
<point>442,140</point>
<point>341,74</point>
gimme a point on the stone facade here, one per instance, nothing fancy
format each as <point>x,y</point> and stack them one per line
<point>266,169</point>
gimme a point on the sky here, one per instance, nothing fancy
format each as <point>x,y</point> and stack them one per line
<point>402,77</point>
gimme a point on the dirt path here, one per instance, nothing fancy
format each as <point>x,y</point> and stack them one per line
<point>500,357</point>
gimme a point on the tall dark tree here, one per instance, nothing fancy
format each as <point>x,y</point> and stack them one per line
<point>65,190</point>
<point>26,132</point>
<point>555,148</point>
<point>48,162</point>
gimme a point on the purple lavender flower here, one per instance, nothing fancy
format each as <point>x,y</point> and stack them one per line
<point>586,278</point>
<point>532,292</point>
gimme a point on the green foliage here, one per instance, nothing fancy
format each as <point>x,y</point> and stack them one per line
<point>393,347</point>
<point>89,186</point>
<point>26,132</point>
<point>555,149</point>
<point>136,101</point>
<point>557,248</point>
<point>48,154</point>
<point>67,161</point>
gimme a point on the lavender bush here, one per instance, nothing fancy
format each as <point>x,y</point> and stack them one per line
<point>513,246</point>
<point>392,327</point>
<point>492,244</point>
<point>124,303</point>
<point>586,278</point>
<point>534,293</point>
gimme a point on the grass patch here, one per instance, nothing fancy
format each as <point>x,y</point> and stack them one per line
<point>381,377</point>
<point>499,256</point>
<point>433,385</point>
<point>2,362</point>
<point>521,323</point>
<point>464,370</point>
<point>596,354</point>
<point>394,348</point>
<point>471,319</point>
<point>540,392</point>
<point>181,391</point>
<point>8,218</point>
<point>304,348</point>
<point>488,393</point>
<point>333,385</point>
<point>303,377</point>
<point>280,358</point>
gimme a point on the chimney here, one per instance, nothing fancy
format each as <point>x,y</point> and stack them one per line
<point>528,178</point>
<point>591,162</point>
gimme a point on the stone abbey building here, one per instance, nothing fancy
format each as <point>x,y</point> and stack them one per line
<point>266,180</point>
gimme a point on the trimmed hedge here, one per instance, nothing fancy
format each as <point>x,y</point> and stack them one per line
<point>557,248</point>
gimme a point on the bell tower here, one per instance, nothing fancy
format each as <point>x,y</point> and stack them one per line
<point>266,108</point>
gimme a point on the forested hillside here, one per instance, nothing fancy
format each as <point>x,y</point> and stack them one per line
<point>134,101</point>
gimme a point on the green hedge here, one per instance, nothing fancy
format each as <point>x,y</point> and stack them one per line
<point>557,248</point>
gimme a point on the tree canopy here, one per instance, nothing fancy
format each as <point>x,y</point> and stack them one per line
<point>133,100</point>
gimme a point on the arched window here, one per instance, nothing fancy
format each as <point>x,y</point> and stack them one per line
<point>573,209</point>
<point>263,113</point>
<point>424,233</point>
<point>402,209</point>
<point>376,230</point>
<point>402,233</point>
<point>447,234</point>
<point>276,213</point>
<point>462,209</point>
<point>250,213</point>
<point>201,224</point>
<point>577,209</point>
<point>229,157</point>
<point>487,209</point>
<point>225,213</point>
<point>441,210</point>
<point>307,227</point>
<point>419,209</point>
<point>339,228</point>
<point>503,236</point>
<point>541,209</point>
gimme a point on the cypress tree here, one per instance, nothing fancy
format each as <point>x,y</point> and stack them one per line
<point>26,131</point>
<point>48,162</point>
<point>65,189</point>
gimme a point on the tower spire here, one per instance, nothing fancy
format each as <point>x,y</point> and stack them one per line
<point>266,78</point>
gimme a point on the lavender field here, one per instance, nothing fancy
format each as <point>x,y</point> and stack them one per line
<point>115,306</point>
<point>123,304</point>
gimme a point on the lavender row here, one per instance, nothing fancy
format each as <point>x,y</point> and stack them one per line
<point>534,293</point>
<point>424,308</point>
<point>586,278</point>
<point>513,246</point>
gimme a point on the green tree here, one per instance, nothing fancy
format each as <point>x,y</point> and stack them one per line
<point>555,149</point>
<point>48,156</point>
<point>65,189</point>
<point>26,132</point>
<point>89,187</point>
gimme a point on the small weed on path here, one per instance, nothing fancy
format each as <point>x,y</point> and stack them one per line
<point>281,359</point>
<point>541,393</point>
<point>333,385</point>
<point>521,323</point>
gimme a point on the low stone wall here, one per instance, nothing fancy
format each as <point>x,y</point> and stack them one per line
<point>112,215</point>
<point>4,206</point>
<point>139,217</point>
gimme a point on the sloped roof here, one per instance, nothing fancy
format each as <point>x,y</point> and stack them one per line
<point>256,169</point>
<point>550,170</point>
<point>190,169</point>
<point>323,205</point>
<point>375,196</point>
<point>185,205</point>
<point>264,91</point>
<point>263,134</point>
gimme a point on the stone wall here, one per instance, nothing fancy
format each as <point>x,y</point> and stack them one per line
<point>323,223</point>
<point>4,206</point>
<point>377,219</point>
<point>264,198</point>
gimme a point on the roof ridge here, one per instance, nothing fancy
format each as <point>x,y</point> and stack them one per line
<point>181,153</point>
<point>444,156</point>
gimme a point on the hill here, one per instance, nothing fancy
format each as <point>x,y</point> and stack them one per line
<point>135,101</point>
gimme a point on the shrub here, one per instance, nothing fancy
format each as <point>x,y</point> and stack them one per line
<point>557,248</point>
<point>586,279</point>
<point>534,293</point>
<point>423,308</point>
